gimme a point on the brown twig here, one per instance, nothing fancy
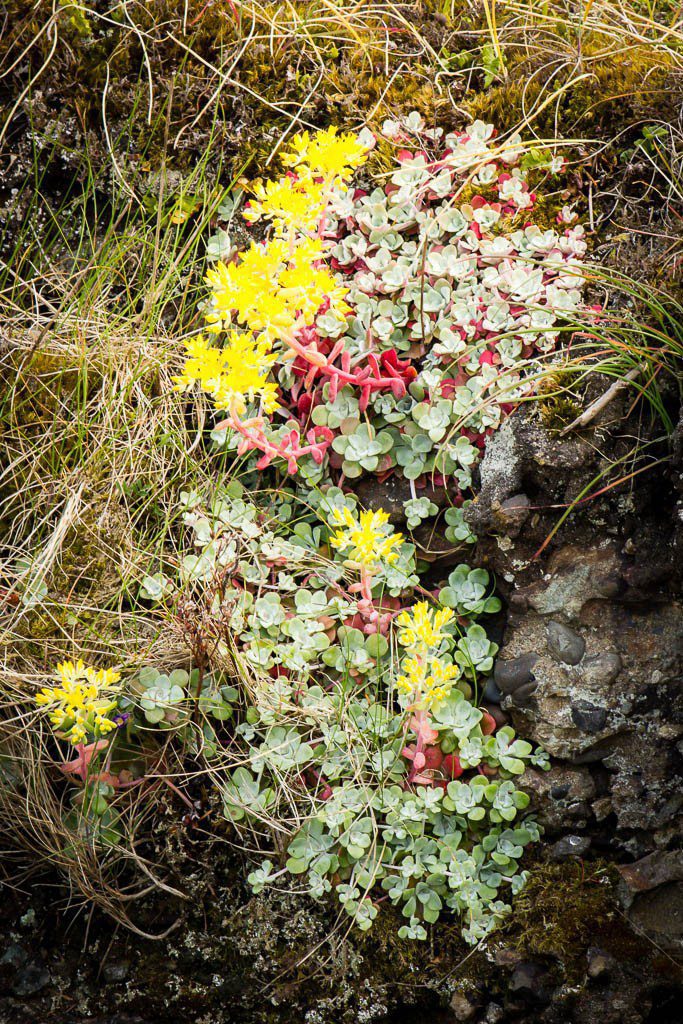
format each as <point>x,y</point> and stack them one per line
<point>599,404</point>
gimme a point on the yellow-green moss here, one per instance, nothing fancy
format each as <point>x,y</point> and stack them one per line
<point>603,92</point>
<point>555,404</point>
<point>561,912</point>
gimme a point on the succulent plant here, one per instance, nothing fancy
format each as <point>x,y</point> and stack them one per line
<point>162,696</point>
<point>417,510</point>
<point>469,592</point>
<point>475,652</point>
<point>457,528</point>
<point>362,450</point>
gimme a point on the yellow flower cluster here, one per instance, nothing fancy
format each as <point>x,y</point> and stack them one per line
<point>233,375</point>
<point>426,681</point>
<point>273,289</point>
<point>292,204</point>
<point>277,287</point>
<point>367,538</point>
<point>79,704</point>
<point>321,162</point>
<point>326,154</point>
<point>423,626</point>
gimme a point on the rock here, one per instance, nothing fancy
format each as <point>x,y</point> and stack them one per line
<point>532,982</point>
<point>577,576</point>
<point>116,971</point>
<point>564,644</point>
<point>521,449</point>
<point>462,1006</point>
<point>24,976</point>
<point>658,868</point>
<point>521,696</point>
<point>518,603</point>
<point>497,714</point>
<point>599,751</point>
<point>601,668</point>
<point>30,979</point>
<point>659,914</point>
<point>570,846</point>
<point>515,672</point>
<point>510,515</point>
<point>586,713</point>
<point>491,692</point>
<point>588,717</point>
<point>600,963</point>
<point>494,1013</point>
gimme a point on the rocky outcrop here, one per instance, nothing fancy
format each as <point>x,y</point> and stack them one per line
<point>592,661</point>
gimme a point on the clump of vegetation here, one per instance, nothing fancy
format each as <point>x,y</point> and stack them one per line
<point>353,728</point>
<point>395,324</point>
<point>392,328</point>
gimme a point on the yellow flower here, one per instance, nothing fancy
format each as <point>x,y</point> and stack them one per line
<point>80,703</point>
<point>297,202</point>
<point>232,375</point>
<point>422,625</point>
<point>426,681</point>
<point>273,289</point>
<point>368,538</point>
<point>326,154</point>
<point>292,204</point>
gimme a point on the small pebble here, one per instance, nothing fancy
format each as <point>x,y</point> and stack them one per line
<point>599,962</point>
<point>570,846</point>
<point>509,675</point>
<point>532,982</point>
<point>512,514</point>
<point>559,792</point>
<point>494,1013</point>
<point>491,692</point>
<point>588,717</point>
<point>30,979</point>
<point>601,668</point>
<point>116,971</point>
<point>521,696</point>
<point>462,1006</point>
<point>564,644</point>
<point>518,603</point>
<point>497,714</point>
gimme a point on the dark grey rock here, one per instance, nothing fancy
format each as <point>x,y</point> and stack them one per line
<point>601,668</point>
<point>532,982</point>
<point>491,692</point>
<point>598,752</point>
<point>560,792</point>
<point>564,644</point>
<point>521,696</point>
<point>509,675</point>
<point>30,979</point>
<point>570,846</point>
<point>588,717</point>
